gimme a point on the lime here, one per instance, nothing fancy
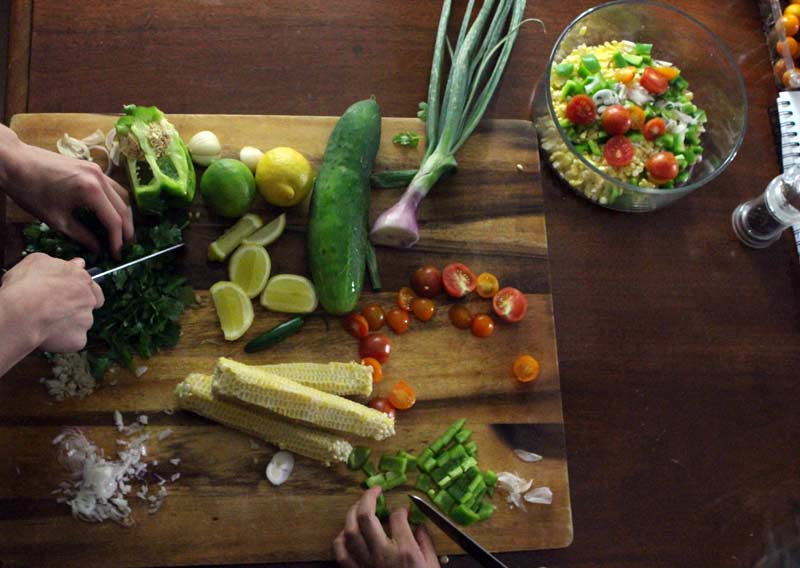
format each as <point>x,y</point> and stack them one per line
<point>228,187</point>
<point>249,268</point>
<point>289,293</point>
<point>269,233</point>
<point>230,239</point>
<point>284,176</point>
<point>234,309</point>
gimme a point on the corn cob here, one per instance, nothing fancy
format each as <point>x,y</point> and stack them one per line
<point>293,400</point>
<point>195,394</point>
<point>333,378</point>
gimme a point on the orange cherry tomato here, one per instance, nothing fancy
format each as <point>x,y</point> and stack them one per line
<point>791,78</point>
<point>482,325</point>
<point>654,81</point>
<point>382,404</point>
<point>790,24</point>
<point>525,368</point>
<point>780,67</point>
<point>398,320</point>
<point>356,325</point>
<point>792,10</point>
<point>625,75</point>
<point>669,73</point>
<point>404,298</point>
<point>458,280</point>
<point>423,308</point>
<point>374,315</point>
<point>402,396</point>
<point>510,304</point>
<point>427,281</point>
<point>377,370</point>
<point>460,316</point>
<point>376,346</point>
<point>637,117</point>
<point>789,47</point>
<point>487,285</point>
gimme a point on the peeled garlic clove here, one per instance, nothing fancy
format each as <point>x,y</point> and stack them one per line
<point>204,148</point>
<point>526,456</point>
<point>280,467</point>
<point>250,156</point>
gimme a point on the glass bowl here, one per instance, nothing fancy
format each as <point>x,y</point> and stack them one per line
<point>703,60</point>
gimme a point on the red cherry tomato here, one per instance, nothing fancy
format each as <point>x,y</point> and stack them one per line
<point>374,315</point>
<point>654,82</point>
<point>654,128</point>
<point>482,325</point>
<point>427,281</point>
<point>581,110</point>
<point>377,370</point>
<point>423,308</point>
<point>510,304</point>
<point>662,166</point>
<point>616,120</point>
<point>637,117</point>
<point>376,346</point>
<point>460,316</point>
<point>398,320</point>
<point>383,405</point>
<point>356,325</point>
<point>458,280</point>
<point>618,151</point>
<point>402,396</point>
<point>404,298</point>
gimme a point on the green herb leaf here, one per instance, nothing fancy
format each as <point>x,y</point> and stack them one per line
<point>410,139</point>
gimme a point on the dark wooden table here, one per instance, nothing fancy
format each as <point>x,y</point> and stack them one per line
<point>678,348</point>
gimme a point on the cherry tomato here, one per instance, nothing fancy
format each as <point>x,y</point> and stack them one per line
<point>376,346</point>
<point>510,304</point>
<point>618,151</point>
<point>377,370</point>
<point>654,128</point>
<point>404,298</point>
<point>525,368</point>
<point>423,308</point>
<point>482,325</point>
<point>460,316</point>
<point>662,166</point>
<point>789,47</point>
<point>780,67</point>
<point>654,82</point>
<point>458,280</point>
<point>356,325</point>
<point>616,120</point>
<point>398,320</point>
<point>374,315</point>
<point>637,117</point>
<point>791,78</point>
<point>427,281</point>
<point>383,405</point>
<point>626,74</point>
<point>402,396</point>
<point>790,25</point>
<point>792,10</point>
<point>669,73</point>
<point>487,285</point>
<point>581,110</point>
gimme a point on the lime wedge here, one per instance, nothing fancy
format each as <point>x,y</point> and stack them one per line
<point>249,268</point>
<point>289,293</point>
<point>230,239</point>
<point>234,309</point>
<point>269,233</point>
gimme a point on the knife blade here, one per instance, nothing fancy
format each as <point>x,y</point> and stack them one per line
<point>483,556</point>
<point>98,275</point>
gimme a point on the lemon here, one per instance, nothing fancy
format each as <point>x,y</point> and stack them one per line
<point>234,309</point>
<point>284,176</point>
<point>228,187</point>
<point>289,293</point>
<point>230,239</point>
<point>249,268</point>
<point>269,233</point>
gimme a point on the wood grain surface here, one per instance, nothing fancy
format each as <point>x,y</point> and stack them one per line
<point>678,348</point>
<point>454,373</point>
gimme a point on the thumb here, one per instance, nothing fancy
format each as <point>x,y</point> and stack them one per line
<point>76,230</point>
<point>79,261</point>
<point>426,546</point>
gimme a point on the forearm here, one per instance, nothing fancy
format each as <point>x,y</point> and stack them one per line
<point>17,333</point>
<point>11,153</point>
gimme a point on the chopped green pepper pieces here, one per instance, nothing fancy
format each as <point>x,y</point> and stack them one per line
<point>631,59</point>
<point>393,463</point>
<point>472,448</point>
<point>619,60</point>
<point>464,515</point>
<point>679,83</point>
<point>358,457</point>
<point>665,141</point>
<point>381,510</point>
<point>415,516</point>
<point>463,436</point>
<point>486,510</point>
<point>571,87</point>
<point>378,479</point>
<point>444,501</point>
<point>635,136</point>
<point>591,63</point>
<point>643,48</point>
<point>594,148</point>
<point>490,477</point>
<point>565,69</point>
<point>369,469</point>
<point>425,483</point>
<point>393,479</point>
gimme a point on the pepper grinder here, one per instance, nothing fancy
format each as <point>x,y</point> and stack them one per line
<point>759,222</point>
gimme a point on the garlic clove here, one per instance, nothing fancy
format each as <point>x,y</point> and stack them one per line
<point>250,156</point>
<point>204,148</point>
<point>280,467</point>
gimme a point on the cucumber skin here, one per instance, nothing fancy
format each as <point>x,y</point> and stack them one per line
<point>339,213</point>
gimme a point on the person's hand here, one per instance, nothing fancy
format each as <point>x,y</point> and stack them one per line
<point>364,544</point>
<point>51,186</point>
<point>52,301</point>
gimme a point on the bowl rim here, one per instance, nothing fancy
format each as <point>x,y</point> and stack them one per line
<point>619,182</point>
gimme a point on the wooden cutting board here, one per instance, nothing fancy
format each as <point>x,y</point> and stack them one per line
<point>222,509</point>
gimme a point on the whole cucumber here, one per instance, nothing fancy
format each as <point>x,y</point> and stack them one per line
<point>337,225</point>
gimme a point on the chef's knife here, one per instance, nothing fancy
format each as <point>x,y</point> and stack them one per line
<point>98,274</point>
<point>483,556</point>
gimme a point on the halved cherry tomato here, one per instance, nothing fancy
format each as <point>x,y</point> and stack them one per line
<point>581,110</point>
<point>398,320</point>
<point>654,82</point>
<point>487,285</point>
<point>404,298</point>
<point>654,128</point>
<point>377,370</point>
<point>374,315</point>
<point>427,281</point>
<point>376,346</point>
<point>482,325</point>
<point>637,117</point>
<point>510,304</point>
<point>790,24</point>
<point>525,368</point>
<point>423,308</point>
<point>792,9</point>
<point>356,325</point>
<point>790,47</point>
<point>618,151</point>
<point>460,316</point>
<point>626,74</point>
<point>402,396</point>
<point>383,405</point>
<point>616,120</point>
<point>669,73</point>
<point>662,166</point>
<point>458,280</point>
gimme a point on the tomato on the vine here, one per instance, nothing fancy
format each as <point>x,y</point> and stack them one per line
<point>376,346</point>
<point>458,280</point>
<point>382,404</point>
<point>374,315</point>
<point>581,110</point>
<point>405,297</point>
<point>510,304</point>
<point>402,396</point>
<point>618,151</point>
<point>482,325</point>
<point>398,320</point>
<point>427,281</point>
<point>356,325</point>
<point>460,316</point>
